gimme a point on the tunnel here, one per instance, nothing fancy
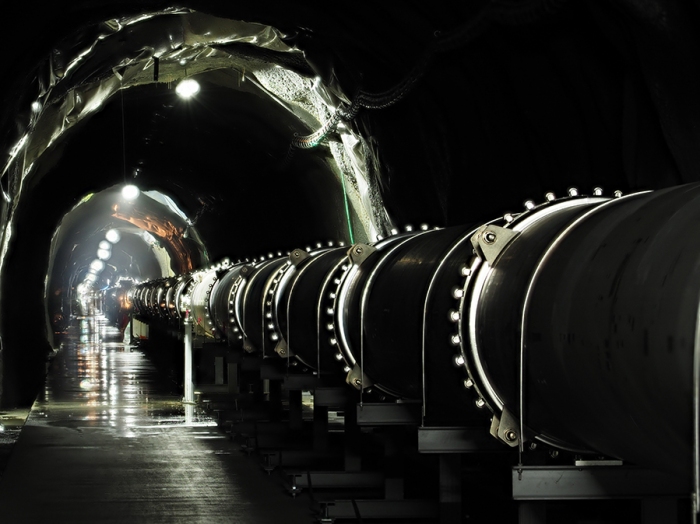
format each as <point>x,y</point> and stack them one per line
<point>313,125</point>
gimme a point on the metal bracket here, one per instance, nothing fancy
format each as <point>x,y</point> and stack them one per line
<point>490,241</point>
<point>357,379</point>
<point>597,463</point>
<point>505,428</point>
<point>581,483</point>
<point>247,270</point>
<point>388,414</point>
<point>358,253</point>
<point>298,256</point>
<point>456,440</point>
<point>282,350</point>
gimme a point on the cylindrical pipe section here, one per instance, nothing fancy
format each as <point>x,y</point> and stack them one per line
<point>303,305</point>
<point>490,303</point>
<point>199,293</point>
<point>384,313</point>
<point>254,306</point>
<point>574,322</point>
<point>611,328</point>
<point>222,303</point>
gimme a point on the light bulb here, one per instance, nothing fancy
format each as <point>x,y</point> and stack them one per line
<point>187,88</point>
<point>113,236</point>
<point>130,192</point>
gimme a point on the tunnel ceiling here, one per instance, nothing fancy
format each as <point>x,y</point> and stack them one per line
<point>541,95</point>
<point>226,149</point>
<point>219,156</point>
<point>478,106</point>
<point>149,240</point>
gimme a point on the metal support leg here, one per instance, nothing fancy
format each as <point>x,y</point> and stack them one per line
<point>532,512</point>
<point>321,428</point>
<point>189,372</point>
<point>353,457</point>
<point>450,488</point>
<point>233,380</point>
<point>295,410</point>
<point>219,371</point>
<point>393,468</point>
<point>658,510</point>
<point>274,397</point>
<point>188,399</point>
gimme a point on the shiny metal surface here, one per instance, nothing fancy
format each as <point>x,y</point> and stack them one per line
<point>528,297</point>
<point>199,302</point>
<point>108,441</point>
<point>493,325</point>
<point>303,314</point>
<point>253,304</point>
<point>221,303</point>
<point>623,318</point>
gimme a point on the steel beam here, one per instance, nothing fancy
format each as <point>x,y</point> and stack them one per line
<point>456,440</point>
<point>387,414</point>
<point>575,483</point>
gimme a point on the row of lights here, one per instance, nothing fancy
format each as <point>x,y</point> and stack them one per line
<point>186,89</point>
<point>104,252</point>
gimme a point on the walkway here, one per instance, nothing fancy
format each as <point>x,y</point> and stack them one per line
<point>106,441</point>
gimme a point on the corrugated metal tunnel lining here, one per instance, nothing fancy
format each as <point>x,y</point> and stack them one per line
<point>224,156</point>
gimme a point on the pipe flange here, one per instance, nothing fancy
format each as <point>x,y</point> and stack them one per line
<point>274,333</point>
<point>234,321</point>
<point>328,304</point>
<point>468,356</point>
<point>207,306</point>
<point>357,255</point>
<point>490,242</point>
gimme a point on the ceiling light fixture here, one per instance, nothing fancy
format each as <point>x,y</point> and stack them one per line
<point>187,88</point>
<point>130,192</point>
<point>113,236</point>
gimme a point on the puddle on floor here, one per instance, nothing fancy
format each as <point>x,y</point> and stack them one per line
<point>98,382</point>
<point>11,423</point>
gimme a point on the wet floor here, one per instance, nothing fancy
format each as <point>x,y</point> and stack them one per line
<point>108,440</point>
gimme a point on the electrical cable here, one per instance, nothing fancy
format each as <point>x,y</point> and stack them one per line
<point>497,10</point>
<point>351,235</point>
<point>121,93</point>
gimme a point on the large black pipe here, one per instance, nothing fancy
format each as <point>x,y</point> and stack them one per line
<point>611,327</point>
<point>572,323</point>
<point>302,310</point>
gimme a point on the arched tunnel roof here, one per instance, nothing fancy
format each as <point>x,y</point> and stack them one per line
<point>467,110</point>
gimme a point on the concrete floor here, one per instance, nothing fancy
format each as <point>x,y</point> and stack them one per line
<point>108,441</point>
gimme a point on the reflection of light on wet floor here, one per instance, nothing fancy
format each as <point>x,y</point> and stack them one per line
<point>107,383</point>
